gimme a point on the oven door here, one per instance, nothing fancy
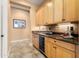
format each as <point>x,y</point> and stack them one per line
<point>41,43</point>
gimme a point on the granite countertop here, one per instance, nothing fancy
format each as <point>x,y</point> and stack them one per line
<point>59,37</point>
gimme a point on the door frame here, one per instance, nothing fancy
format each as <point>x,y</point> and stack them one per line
<point>0,28</point>
<point>4,28</point>
<point>5,6</point>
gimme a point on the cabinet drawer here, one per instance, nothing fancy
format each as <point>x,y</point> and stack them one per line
<point>49,39</point>
<point>65,45</point>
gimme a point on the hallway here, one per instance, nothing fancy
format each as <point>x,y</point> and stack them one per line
<point>23,49</point>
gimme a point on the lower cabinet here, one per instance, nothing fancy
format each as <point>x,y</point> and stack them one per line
<point>35,40</point>
<point>58,52</point>
<point>64,53</point>
<point>49,49</point>
<point>55,51</point>
<point>67,54</point>
<point>77,51</point>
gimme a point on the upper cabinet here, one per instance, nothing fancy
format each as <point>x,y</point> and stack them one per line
<point>77,9</point>
<point>70,10</point>
<point>40,16</point>
<point>49,12</point>
<point>37,18</point>
<point>56,11</point>
<point>45,14</point>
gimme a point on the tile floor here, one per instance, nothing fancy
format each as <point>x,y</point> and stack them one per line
<point>24,49</point>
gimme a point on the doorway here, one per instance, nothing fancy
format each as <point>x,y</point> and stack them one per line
<point>18,35</point>
<point>16,42</point>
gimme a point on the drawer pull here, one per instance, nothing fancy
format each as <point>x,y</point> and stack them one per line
<point>54,41</point>
<point>54,47</point>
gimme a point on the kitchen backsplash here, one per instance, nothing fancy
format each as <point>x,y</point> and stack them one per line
<point>64,27</point>
<point>40,28</point>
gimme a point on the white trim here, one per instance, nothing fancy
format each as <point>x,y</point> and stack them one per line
<point>0,28</point>
<point>5,28</point>
<point>21,3</point>
<point>20,6</point>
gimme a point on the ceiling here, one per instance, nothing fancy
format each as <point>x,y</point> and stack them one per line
<point>36,2</point>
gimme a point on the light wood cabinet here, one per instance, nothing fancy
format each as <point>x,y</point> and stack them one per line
<point>49,48</point>
<point>66,45</point>
<point>59,52</point>
<point>67,53</point>
<point>58,11</point>
<point>40,16</point>
<point>53,50</point>
<point>37,21</point>
<point>50,12</point>
<point>70,10</point>
<point>77,9</point>
<point>77,51</point>
<point>64,53</point>
<point>65,11</point>
<point>35,40</point>
<point>45,14</point>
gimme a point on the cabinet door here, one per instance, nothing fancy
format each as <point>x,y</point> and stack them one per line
<point>49,48</point>
<point>77,51</point>
<point>68,53</point>
<point>58,11</point>
<point>77,9</point>
<point>35,40</point>
<point>42,16</point>
<point>46,14</point>
<point>58,52</point>
<point>64,53</point>
<point>49,12</point>
<point>37,18</point>
<point>70,10</point>
<point>53,51</point>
